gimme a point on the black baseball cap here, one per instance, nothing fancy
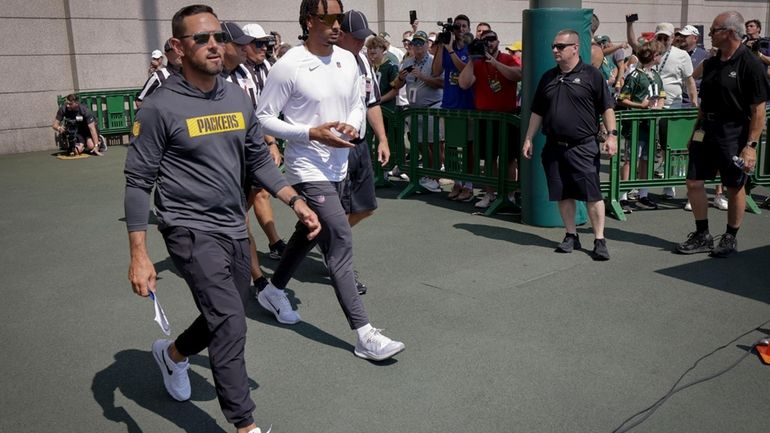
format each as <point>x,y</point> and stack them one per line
<point>235,34</point>
<point>356,24</point>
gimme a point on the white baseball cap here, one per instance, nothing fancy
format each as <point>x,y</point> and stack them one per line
<point>157,54</point>
<point>689,30</point>
<point>255,31</point>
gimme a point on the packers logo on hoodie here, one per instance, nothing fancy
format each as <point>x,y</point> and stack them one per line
<point>215,123</point>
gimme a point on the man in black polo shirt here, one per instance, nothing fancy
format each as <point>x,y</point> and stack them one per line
<point>568,102</point>
<point>730,121</point>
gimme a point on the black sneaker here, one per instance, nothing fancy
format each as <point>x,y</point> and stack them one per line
<point>696,243</point>
<point>277,249</point>
<point>600,252</point>
<point>570,243</point>
<point>626,206</point>
<point>359,285</point>
<point>646,203</point>
<point>728,246</point>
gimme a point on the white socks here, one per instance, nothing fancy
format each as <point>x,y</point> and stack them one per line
<point>364,330</point>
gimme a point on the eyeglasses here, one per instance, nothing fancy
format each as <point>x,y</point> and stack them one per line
<point>261,44</point>
<point>715,30</point>
<point>202,38</point>
<point>418,42</point>
<point>561,46</point>
<point>329,19</point>
<point>490,39</point>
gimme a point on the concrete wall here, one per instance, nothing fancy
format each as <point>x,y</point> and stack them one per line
<point>57,47</point>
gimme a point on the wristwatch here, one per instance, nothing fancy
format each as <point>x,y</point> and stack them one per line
<point>293,200</point>
<point>752,144</point>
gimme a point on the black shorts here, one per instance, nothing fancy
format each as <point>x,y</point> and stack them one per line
<point>722,141</point>
<point>358,195</point>
<point>572,172</point>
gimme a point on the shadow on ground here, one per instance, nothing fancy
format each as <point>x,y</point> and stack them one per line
<point>129,375</point>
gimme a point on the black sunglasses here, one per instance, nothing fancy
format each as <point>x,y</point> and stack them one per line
<point>561,46</point>
<point>715,30</point>
<point>202,38</point>
<point>490,38</point>
<point>260,43</point>
<point>329,19</point>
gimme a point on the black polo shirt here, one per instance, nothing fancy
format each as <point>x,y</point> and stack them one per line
<point>570,104</point>
<point>729,88</point>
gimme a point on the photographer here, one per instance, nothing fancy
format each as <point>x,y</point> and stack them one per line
<point>754,40</point>
<point>450,59</point>
<point>493,76</point>
<point>71,112</point>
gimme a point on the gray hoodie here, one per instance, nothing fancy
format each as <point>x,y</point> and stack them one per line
<point>198,150</point>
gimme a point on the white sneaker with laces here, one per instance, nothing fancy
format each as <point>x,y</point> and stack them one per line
<point>377,347</point>
<point>275,301</point>
<point>485,201</point>
<point>430,184</point>
<point>175,377</point>
<point>720,202</point>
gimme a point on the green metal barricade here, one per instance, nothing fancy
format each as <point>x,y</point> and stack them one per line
<point>672,156</point>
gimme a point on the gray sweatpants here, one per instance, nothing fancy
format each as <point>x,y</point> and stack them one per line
<point>336,242</point>
<point>217,270</point>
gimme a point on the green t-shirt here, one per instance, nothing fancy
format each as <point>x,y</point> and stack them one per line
<point>640,85</point>
<point>386,73</point>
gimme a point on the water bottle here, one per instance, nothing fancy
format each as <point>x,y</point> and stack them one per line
<point>738,161</point>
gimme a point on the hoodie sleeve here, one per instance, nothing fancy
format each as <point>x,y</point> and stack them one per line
<point>275,95</point>
<point>145,152</point>
<point>259,165</point>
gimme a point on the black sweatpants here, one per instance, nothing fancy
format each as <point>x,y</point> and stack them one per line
<point>217,270</point>
<point>336,242</point>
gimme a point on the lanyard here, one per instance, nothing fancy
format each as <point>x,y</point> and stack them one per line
<point>665,59</point>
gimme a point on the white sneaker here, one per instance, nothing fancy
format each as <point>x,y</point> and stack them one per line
<point>485,201</point>
<point>688,206</point>
<point>275,301</point>
<point>257,430</point>
<point>720,202</point>
<point>377,347</point>
<point>430,184</point>
<point>175,376</point>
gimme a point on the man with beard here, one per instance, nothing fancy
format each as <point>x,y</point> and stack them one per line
<point>195,141</point>
<point>493,80</point>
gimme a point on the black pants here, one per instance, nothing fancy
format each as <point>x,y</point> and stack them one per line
<point>217,270</point>
<point>336,242</point>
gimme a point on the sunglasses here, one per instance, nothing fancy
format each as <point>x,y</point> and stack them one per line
<point>490,38</point>
<point>329,19</point>
<point>202,38</point>
<point>417,42</point>
<point>561,46</point>
<point>261,44</point>
<point>715,30</point>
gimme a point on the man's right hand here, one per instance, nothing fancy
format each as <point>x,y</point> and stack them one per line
<point>324,134</point>
<point>141,273</point>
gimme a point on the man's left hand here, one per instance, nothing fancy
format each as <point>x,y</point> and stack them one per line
<point>307,217</point>
<point>275,153</point>
<point>611,145</point>
<point>749,155</point>
<point>383,152</point>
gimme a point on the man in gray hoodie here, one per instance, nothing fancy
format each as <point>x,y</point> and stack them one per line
<point>198,142</point>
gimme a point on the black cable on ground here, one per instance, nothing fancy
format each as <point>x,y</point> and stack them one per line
<point>644,414</point>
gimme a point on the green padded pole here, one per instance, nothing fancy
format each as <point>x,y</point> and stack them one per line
<point>539,28</point>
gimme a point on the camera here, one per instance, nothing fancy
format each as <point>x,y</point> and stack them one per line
<point>632,18</point>
<point>477,49</point>
<point>445,36</point>
<point>68,139</point>
<point>761,44</point>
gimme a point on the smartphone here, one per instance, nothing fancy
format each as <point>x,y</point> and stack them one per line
<point>409,68</point>
<point>632,18</point>
<point>412,17</point>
